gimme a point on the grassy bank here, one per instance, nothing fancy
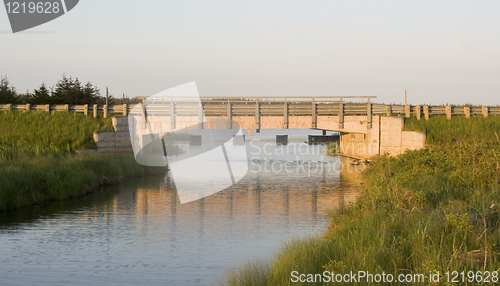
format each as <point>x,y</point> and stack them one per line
<point>38,162</point>
<point>429,210</point>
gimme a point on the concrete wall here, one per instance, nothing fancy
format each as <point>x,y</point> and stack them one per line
<point>357,140</point>
<point>115,142</point>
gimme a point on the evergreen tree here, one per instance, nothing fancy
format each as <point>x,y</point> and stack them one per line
<point>71,91</point>
<point>7,93</point>
<point>41,95</point>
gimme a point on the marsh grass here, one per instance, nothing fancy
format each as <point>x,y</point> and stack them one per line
<point>38,162</point>
<point>56,131</point>
<point>428,210</point>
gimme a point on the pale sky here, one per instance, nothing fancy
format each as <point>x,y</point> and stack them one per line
<point>442,51</point>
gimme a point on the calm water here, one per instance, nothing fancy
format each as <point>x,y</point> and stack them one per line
<point>138,233</point>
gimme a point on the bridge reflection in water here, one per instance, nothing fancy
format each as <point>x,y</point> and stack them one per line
<point>304,194</point>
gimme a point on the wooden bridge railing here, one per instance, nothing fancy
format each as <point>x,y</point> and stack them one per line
<point>268,106</point>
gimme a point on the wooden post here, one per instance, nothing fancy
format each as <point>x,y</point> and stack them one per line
<point>229,115</point>
<point>28,107</point>
<point>314,117</point>
<point>257,115</point>
<point>105,111</point>
<point>418,111</point>
<point>467,111</point>
<point>426,112</point>
<point>9,107</point>
<point>125,109</point>
<point>485,111</point>
<point>407,111</point>
<point>86,109</point>
<point>448,112</point>
<point>107,94</point>
<point>369,113</point>
<point>94,110</point>
<point>66,107</point>
<point>285,115</point>
<point>341,114</point>
<point>47,107</point>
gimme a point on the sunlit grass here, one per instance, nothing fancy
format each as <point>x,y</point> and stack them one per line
<point>429,210</point>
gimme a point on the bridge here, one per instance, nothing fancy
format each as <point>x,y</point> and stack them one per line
<point>366,128</point>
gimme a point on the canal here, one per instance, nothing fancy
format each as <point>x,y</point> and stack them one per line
<point>139,233</point>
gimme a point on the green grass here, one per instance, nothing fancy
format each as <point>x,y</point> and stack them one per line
<point>428,210</point>
<point>55,132</point>
<point>38,162</point>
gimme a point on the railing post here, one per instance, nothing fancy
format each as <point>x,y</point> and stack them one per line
<point>200,115</point>
<point>388,110</point>
<point>426,112</point>
<point>448,111</point>
<point>341,114</point>
<point>66,107</point>
<point>47,107</point>
<point>257,115</point>
<point>369,113</point>
<point>285,115</point>
<point>105,111</point>
<point>485,111</point>
<point>86,109</point>
<point>28,107</point>
<point>314,117</point>
<point>9,107</point>
<point>467,111</point>
<point>172,114</point>
<point>418,111</point>
<point>94,110</point>
<point>125,109</point>
<point>407,111</point>
<point>229,115</point>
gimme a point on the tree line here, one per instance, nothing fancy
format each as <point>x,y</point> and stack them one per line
<point>67,90</point>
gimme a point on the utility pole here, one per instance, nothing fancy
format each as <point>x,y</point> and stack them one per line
<point>107,94</point>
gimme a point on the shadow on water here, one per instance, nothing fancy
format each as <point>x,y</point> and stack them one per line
<point>99,197</point>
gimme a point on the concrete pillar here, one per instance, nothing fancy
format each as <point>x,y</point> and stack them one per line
<point>448,111</point>
<point>314,117</point>
<point>200,115</point>
<point>172,115</point>
<point>229,115</point>
<point>285,115</point>
<point>341,114</point>
<point>467,111</point>
<point>369,113</point>
<point>94,110</point>
<point>257,115</point>
<point>86,109</point>
<point>407,111</point>
<point>426,112</point>
<point>485,111</point>
<point>417,111</point>
<point>105,111</point>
